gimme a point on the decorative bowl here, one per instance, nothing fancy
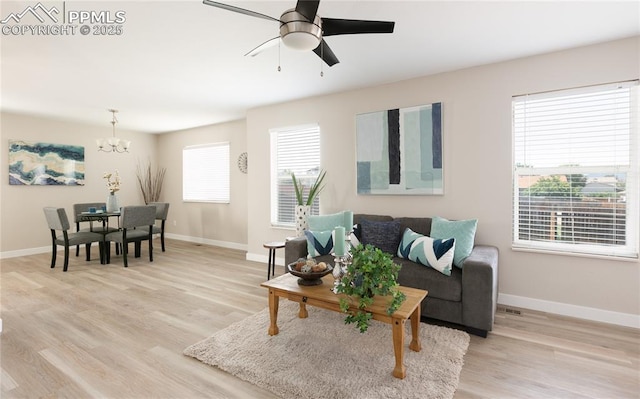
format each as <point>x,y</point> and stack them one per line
<point>311,278</point>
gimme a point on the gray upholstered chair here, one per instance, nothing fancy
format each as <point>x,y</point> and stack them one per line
<point>136,224</point>
<point>58,221</point>
<point>162,210</point>
<point>77,213</point>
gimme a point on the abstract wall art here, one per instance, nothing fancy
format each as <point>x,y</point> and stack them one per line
<point>399,151</point>
<point>45,164</point>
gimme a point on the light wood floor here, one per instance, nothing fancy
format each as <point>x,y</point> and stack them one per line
<point>111,332</point>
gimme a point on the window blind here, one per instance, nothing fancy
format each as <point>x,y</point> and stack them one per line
<point>205,173</point>
<point>294,150</point>
<point>576,170</point>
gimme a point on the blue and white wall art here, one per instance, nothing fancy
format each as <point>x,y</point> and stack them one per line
<point>45,164</point>
<point>399,151</point>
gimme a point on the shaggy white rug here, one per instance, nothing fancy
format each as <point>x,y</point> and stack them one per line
<point>321,357</point>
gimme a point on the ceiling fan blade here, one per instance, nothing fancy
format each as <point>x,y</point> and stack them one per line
<point>308,8</point>
<point>239,10</point>
<point>333,26</point>
<point>268,44</point>
<point>324,51</point>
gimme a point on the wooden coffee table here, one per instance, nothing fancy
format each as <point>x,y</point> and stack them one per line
<point>321,296</point>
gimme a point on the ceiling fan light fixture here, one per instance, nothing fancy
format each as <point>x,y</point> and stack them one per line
<point>301,41</point>
<point>298,33</point>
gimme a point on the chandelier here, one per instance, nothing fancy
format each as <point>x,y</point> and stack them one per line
<point>113,144</point>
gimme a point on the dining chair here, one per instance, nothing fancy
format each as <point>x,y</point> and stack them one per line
<point>136,225</point>
<point>162,210</point>
<point>78,218</point>
<point>58,221</point>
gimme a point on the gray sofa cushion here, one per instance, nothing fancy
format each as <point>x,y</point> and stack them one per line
<point>358,218</point>
<point>419,225</point>
<point>439,286</point>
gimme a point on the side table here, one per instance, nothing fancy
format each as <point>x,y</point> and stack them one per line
<point>271,266</point>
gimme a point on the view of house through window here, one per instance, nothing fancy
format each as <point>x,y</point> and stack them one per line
<point>575,175</point>
<point>206,173</point>
<point>294,150</point>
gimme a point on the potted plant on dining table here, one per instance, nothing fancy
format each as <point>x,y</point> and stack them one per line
<point>113,184</point>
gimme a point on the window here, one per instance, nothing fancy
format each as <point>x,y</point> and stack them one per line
<point>294,150</point>
<point>575,160</point>
<point>205,173</point>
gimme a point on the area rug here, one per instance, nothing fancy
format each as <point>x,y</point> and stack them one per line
<point>322,358</point>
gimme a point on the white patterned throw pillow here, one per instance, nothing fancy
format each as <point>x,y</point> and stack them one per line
<point>319,242</point>
<point>427,251</point>
<point>356,235</point>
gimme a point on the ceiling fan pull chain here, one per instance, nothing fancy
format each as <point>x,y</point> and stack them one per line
<point>321,60</point>
<point>279,69</point>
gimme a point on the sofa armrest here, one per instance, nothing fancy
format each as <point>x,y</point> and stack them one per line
<point>295,249</point>
<point>480,287</point>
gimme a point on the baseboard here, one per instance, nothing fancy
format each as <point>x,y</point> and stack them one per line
<point>25,252</point>
<point>564,309</point>
<point>200,240</point>
<point>264,258</point>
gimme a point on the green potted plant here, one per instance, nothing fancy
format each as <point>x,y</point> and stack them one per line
<point>371,272</point>
<point>304,206</point>
<point>314,189</point>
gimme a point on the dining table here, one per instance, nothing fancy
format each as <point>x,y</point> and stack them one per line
<point>99,216</point>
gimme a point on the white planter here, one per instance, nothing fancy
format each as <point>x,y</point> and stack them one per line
<point>302,211</point>
<point>112,203</point>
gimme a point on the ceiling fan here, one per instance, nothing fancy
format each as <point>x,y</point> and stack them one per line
<point>301,28</point>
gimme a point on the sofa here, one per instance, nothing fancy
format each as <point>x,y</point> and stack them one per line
<point>467,297</point>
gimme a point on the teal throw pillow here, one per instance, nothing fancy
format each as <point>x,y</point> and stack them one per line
<point>464,232</point>
<point>325,222</point>
<point>319,242</point>
<point>435,253</point>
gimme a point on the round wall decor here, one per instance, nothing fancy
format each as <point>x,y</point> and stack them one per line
<point>243,162</point>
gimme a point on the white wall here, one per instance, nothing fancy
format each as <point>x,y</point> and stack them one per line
<point>23,227</point>
<point>477,167</point>
<point>216,224</point>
